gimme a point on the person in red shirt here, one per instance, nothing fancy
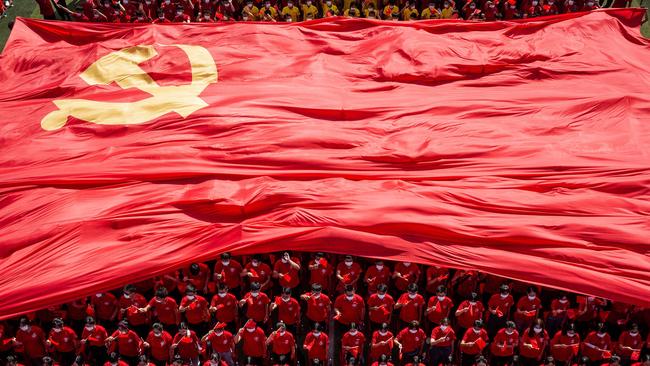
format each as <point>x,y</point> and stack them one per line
<point>499,310</point>
<point>376,275</point>
<point>380,307</point>
<point>383,360</point>
<point>31,339</point>
<point>196,310</point>
<point>490,11</point>
<point>253,341</point>
<point>629,342</point>
<point>224,304</point>
<point>318,305</point>
<point>282,343</point>
<point>347,273</point>
<point>228,271</point>
<point>288,310</point>
<point>47,11</point>
<point>473,343</point>
<point>381,343</point>
<point>197,274</point>
<point>410,341</point>
<point>510,10</point>
<point>216,360</point>
<point>105,308</point>
<point>130,304</point>
<point>352,343</point>
<point>316,346</point>
<point>416,362</point>
<point>405,273</point>
<point>93,342</point>
<point>349,307</point>
<point>558,314</point>
<point>589,6</point>
<point>78,310</point>
<point>533,344</point>
<point>645,361</point>
<point>588,309</point>
<point>258,271</point>
<point>125,342</point>
<point>114,360</point>
<point>287,271</point>
<point>442,342</point>
<point>186,344</point>
<point>439,306</point>
<point>504,344</point>
<point>320,271</point>
<point>64,341</point>
<point>159,344</point>
<point>257,304</point>
<point>410,305</point>
<point>597,345</point>
<point>528,308</point>
<point>564,345</point>
<point>161,18</point>
<point>164,309</point>
<point>436,276</point>
<point>222,343</point>
<point>468,312</point>
<point>181,16</point>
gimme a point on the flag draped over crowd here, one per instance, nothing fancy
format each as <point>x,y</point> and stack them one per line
<point>521,149</point>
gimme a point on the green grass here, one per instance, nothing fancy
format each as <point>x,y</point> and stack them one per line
<point>29,9</point>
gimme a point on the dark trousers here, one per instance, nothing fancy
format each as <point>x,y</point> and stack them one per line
<point>439,355</point>
<point>65,358</point>
<point>96,355</point>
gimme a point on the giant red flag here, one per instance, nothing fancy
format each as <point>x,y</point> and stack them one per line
<point>521,149</point>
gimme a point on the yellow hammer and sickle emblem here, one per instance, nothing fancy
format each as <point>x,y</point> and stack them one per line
<point>122,68</point>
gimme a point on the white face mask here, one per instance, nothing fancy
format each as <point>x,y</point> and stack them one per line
<point>24,328</point>
<point>571,333</point>
<point>477,330</point>
<point>207,16</point>
<point>308,3</point>
<point>509,332</point>
<point>127,296</point>
<point>353,332</point>
<point>563,301</point>
<point>98,295</point>
<point>534,3</point>
<point>407,264</point>
<point>190,297</point>
<point>218,332</point>
<point>443,327</point>
<point>286,299</point>
<point>503,296</point>
<point>440,298</point>
<point>316,296</point>
<point>223,294</point>
<point>381,296</point>
<point>179,12</point>
<point>90,327</point>
<point>329,3</point>
<point>531,297</point>
<point>282,332</point>
<point>284,260</point>
<point>290,5</point>
<point>413,330</point>
<point>255,293</point>
<point>590,4</point>
<point>159,300</point>
<point>250,330</point>
<point>316,333</point>
<point>347,263</point>
<point>601,335</point>
<point>570,2</point>
<point>225,262</point>
<point>57,329</point>
<point>255,263</point>
<point>412,296</point>
<point>379,266</point>
<point>633,333</point>
<point>537,330</point>
<point>472,302</point>
<point>349,297</point>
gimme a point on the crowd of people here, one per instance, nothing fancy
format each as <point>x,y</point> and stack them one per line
<point>322,309</point>
<point>185,11</point>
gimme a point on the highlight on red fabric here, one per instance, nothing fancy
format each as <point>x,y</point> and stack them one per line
<point>516,148</point>
<point>635,355</point>
<point>480,343</point>
<point>575,348</point>
<point>607,354</point>
<point>571,313</point>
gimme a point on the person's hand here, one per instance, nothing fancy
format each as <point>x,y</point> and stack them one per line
<point>83,341</point>
<point>48,342</point>
<point>212,309</point>
<point>145,344</point>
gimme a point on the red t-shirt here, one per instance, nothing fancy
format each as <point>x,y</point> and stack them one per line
<point>317,345</point>
<point>289,276</point>
<point>105,305</point>
<point>559,307</point>
<point>226,307</point>
<point>472,336</point>
<point>77,310</point>
<point>351,310</point>
<point>440,309</point>
<point>260,273</point>
<point>199,280</point>
<point>45,7</point>
<point>127,344</point>
<point>166,311</point>
<point>282,344</point>
<point>410,273</point>
<point>502,305</point>
<point>385,308</point>
<point>131,305</point>
<point>197,309</point>
<point>504,344</point>
<point>375,276</point>
<point>474,312</point>
<point>33,341</point>
<point>288,311</point>
<point>604,343</point>
<point>539,342</point>
<point>318,309</point>
<point>449,335</point>
<point>231,273</point>
<point>411,341</point>
<point>256,307</point>
<point>411,308</point>
<point>436,276</point>
<point>321,275</point>
<point>119,363</point>
<point>95,337</point>
<point>381,344</point>
<point>64,340</point>
<point>356,340</point>
<point>628,340</point>
<point>186,345</point>
<point>531,308</point>
<point>223,342</point>
<point>351,273</point>
<point>254,342</point>
<point>159,345</point>
<point>560,353</point>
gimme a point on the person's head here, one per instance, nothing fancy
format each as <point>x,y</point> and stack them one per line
<point>286,294</point>
<point>379,264</point>
<point>504,290</point>
<point>441,292</point>
<point>382,288</point>
<point>11,361</point>
<point>114,358</point>
<point>562,297</point>
<point>414,325</point>
<point>349,291</point>
<point>161,14</point>
<point>48,361</point>
<point>215,359</point>
<point>584,360</point>
<point>348,258</point>
<point>123,326</point>
<point>444,323</point>
<point>90,323</point>
<point>478,325</point>
<point>510,327</point>
<point>250,325</point>
<point>446,4</point>
<point>287,18</point>
<point>222,290</point>
<point>601,329</point>
<point>371,13</point>
<point>634,329</point>
<point>549,361</point>
<point>473,298</point>
<point>219,327</point>
<point>316,362</point>
<point>255,288</point>
<point>645,361</point>
<point>161,294</point>
<point>178,360</point>
<point>383,359</point>
<point>24,324</point>
<point>353,328</point>
<point>317,328</point>
<point>316,289</point>
<point>157,329</point>
<point>383,329</point>
<point>190,292</point>
<point>143,360</point>
<point>352,360</point>
<point>412,289</point>
<point>128,291</point>
<point>180,10</point>
<point>531,292</point>
<point>615,360</point>
<point>78,361</point>
<point>225,258</point>
<point>57,324</point>
<point>537,327</point>
<point>472,5</point>
<point>257,259</point>
<point>481,361</point>
<point>183,326</point>
<point>195,269</point>
<point>281,327</point>
<point>416,359</point>
<point>570,330</point>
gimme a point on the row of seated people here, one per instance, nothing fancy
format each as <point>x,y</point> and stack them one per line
<point>369,308</point>
<point>185,11</point>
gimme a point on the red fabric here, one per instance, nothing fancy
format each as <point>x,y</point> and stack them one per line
<point>504,344</point>
<point>469,313</point>
<point>317,345</point>
<point>197,309</point>
<point>223,342</point>
<point>226,307</point>
<point>448,335</point>
<point>257,307</point>
<point>318,308</point>
<point>561,346</point>
<point>166,311</point>
<point>384,308</point>
<point>411,341</point>
<point>411,308</point>
<point>95,337</point>
<point>128,344</point>
<point>381,344</point>
<point>479,339</point>
<point>538,343</point>
<point>254,342</point>
<point>282,344</point>
<point>64,340</point>
<point>159,345</point>
<point>33,341</point>
<point>288,311</point>
<point>531,170</point>
<point>351,310</point>
<point>187,344</point>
